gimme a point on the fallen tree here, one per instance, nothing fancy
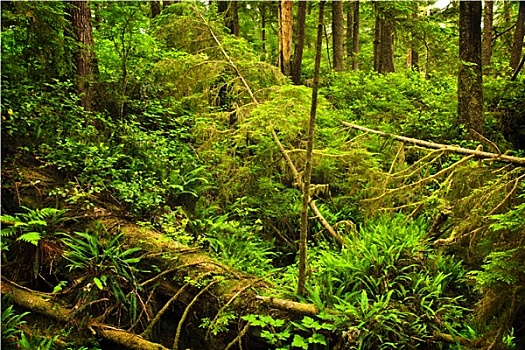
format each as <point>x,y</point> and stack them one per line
<point>448,148</point>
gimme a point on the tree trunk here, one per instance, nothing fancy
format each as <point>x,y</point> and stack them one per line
<point>263,26</point>
<point>229,9</point>
<point>413,54</point>
<point>356,36</point>
<point>155,8</point>
<point>387,45</point>
<point>486,49</point>
<point>337,34</point>
<point>470,93</point>
<point>519,33</point>
<point>86,65</point>
<point>299,44</point>
<point>285,36</point>
<point>377,44</point>
<point>307,177</point>
<point>349,31</point>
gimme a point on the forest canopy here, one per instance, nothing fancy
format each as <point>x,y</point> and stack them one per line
<point>263,174</point>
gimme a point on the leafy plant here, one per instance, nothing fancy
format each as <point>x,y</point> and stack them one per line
<point>31,226</point>
<point>106,268</point>
<point>11,322</point>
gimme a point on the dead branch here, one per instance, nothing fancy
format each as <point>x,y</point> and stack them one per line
<point>186,312</point>
<point>238,338</point>
<point>291,306</point>
<point>455,149</point>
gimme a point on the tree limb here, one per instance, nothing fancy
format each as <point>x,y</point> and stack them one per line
<point>454,149</point>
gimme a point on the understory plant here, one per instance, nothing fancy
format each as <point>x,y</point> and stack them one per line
<point>387,289</point>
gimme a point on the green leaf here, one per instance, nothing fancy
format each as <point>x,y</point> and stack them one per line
<point>98,283</point>
<point>30,237</point>
<point>299,342</point>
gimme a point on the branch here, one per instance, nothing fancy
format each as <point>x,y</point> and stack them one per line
<point>291,306</point>
<point>454,149</point>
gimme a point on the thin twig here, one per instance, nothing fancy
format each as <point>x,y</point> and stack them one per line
<point>187,311</point>
<point>238,338</point>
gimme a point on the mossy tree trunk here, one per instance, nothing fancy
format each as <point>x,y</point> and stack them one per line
<point>486,50</point>
<point>285,36</point>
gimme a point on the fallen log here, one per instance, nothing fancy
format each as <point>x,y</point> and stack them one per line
<point>43,304</point>
<point>455,149</point>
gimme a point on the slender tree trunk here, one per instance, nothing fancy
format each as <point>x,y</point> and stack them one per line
<point>263,26</point>
<point>486,49</point>
<point>413,55</point>
<point>470,93</point>
<point>309,150</point>
<point>155,8</point>
<point>519,33</point>
<point>377,43</point>
<point>86,65</point>
<point>299,45</point>
<point>233,18</point>
<point>355,46</point>
<point>337,34</point>
<point>285,36</point>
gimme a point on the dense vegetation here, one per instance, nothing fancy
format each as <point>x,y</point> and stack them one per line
<point>189,132</point>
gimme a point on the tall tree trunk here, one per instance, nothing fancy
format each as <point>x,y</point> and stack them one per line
<point>413,54</point>
<point>356,36</point>
<point>377,43</point>
<point>299,44</point>
<point>285,36</point>
<point>155,8</point>
<point>486,49</point>
<point>86,65</point>
<point>387,45</point>
<point>309,151</point>
<point>470,93</point>
<point>519,33</point>
<point>349,31</point>
<point>263,26</point>
<point>337,34</point>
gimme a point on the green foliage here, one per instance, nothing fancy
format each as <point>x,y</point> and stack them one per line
<point>389,287</point>
<point>106,265</point>
<point>11,322</point>
<point>409,103</point>
<point>31,226</point>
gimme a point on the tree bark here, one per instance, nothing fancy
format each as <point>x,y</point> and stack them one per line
<point>355,61</point>
<point>230,11</point>
<point>86,65</point>
<point>285,36</point>
<point>155,8</point>
<point>309,150</point>
<point>263,26</point>
<point>519,33</point>
<point>337,34</point>
<point>470,93</point>
<point>486,49</point>
<point>299,44</point>
<point>387,45</point>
